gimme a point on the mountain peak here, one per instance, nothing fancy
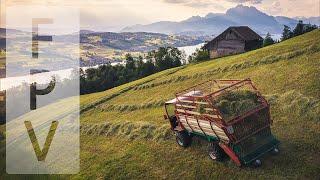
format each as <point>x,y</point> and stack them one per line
<point>215,23</point>
<point>193,18</point>
<point>212,15</point>
<point>241,9</point>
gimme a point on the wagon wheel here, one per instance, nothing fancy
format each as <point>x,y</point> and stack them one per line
<point>215,152</point>
<point>183,139</point>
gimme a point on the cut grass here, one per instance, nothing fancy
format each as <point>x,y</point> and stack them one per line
<point>288,69</point>
<point>129,130</point>
<point>235,103</point>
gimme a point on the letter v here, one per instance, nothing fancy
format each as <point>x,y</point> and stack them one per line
<point>41,154</point>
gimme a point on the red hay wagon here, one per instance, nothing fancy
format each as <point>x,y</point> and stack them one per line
<point>244,137</point>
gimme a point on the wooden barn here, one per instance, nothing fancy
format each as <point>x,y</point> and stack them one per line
<point>234,40</point>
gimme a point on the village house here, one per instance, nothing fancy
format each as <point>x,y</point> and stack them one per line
<point>234,40</point>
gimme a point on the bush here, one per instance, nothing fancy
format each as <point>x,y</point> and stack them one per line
<point>199,55</point>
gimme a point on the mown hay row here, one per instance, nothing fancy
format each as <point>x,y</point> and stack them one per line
<point>295,104</point>
<point>176,70</point>
<point>171,80</point>
<point>129,130</point>
<point>133,107</point>
<point>248,64</point>
<point>291,103</point>
<point>271,59</point>
<point>134,87</point>
<point>103,100</point>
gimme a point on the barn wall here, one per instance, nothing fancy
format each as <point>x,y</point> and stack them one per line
<point>229,43</point>
<point>213,53</point>
<point>227,47</point>
<point>236,45</point>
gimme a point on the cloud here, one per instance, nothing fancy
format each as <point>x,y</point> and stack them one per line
<point>177,1</point>
<point>246,1</point>
<point>274,8</point>
<point>197,3</point>
<point>201,3</point>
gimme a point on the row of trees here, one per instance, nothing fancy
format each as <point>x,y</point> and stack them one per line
<point>107,76</point>
<point>300,29</point>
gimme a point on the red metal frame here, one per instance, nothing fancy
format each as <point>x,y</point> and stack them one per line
<point>222,86</point>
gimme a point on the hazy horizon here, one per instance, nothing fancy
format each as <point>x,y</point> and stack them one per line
<point>113,15</point>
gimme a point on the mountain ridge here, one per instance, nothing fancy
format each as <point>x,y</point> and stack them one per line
<point>215,23</point>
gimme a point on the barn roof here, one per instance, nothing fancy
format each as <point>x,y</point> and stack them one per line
<point>244,32</point>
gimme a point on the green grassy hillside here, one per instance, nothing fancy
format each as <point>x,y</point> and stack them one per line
<point>124,135</point>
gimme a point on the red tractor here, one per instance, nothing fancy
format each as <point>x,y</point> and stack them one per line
<point>244,136</point>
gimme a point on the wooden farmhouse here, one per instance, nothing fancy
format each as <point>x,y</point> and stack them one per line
<point>234,40</point>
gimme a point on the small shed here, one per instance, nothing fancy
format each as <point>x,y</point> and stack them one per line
<point>234,40</point>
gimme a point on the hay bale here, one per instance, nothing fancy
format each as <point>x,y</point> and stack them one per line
<point>235,103</point>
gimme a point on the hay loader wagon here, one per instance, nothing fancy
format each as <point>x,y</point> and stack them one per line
<point>244,137</point>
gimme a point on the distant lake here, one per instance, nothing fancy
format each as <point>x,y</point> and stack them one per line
<point>276,36</point>
<point>43,78</point>
<point>189,50</point>
<point>40,78</point>
<point>273,36</point>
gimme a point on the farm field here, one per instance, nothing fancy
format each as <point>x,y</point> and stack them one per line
<point>124,135</point>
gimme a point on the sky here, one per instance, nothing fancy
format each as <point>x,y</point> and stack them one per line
<point>112,15</point>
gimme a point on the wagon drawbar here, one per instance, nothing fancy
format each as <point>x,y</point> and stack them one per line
<point>231,115</point>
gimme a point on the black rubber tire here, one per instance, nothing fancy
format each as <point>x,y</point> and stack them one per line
<point>183,139</point>
<point>215,152</point>
<point>257,163</point>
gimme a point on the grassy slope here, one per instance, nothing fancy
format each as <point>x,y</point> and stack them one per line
<point>124,134</point>
<point>287,73</point>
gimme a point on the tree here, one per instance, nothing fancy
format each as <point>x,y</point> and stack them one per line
<point>176,56</point>
<point>166,57</point>
<point>130,71</point>
<point>148,68</point>
<point>268,40</point>
<point>107,76</point>
<point>299,29</point>
<point>200,55</point>
<point>129,62</point>
<point>287,33</point>
<point>140,66</point>
<point>309,28</point>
